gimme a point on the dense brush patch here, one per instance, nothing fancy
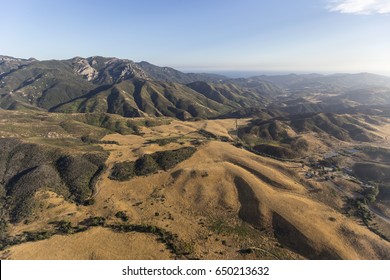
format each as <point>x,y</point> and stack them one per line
<point>26,168</point>
<point>148,164</point>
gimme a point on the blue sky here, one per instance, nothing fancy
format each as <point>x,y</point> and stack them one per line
<point>209,35</point>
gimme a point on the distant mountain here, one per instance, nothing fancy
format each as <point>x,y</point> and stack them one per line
<point>102,70</point>
<point>235,95</point>
<point>121,86</point>
<point>335,83</point>
<point>285,81</point>
<point>338,93</point>
<point>167,74</point>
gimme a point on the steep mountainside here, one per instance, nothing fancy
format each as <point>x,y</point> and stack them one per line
<point>41,85</point>
<point>135,98</point>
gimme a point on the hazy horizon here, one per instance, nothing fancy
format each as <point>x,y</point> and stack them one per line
<point>252,73</point>
<point>241,73</point>
<point>231,73</point>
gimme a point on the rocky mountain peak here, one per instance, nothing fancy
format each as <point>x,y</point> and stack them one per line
<point>107,70</point>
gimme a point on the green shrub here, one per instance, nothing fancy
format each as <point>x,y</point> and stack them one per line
<point>169,159</point>
<point>145,165</point>
<point>165,141</point>
<point>3,229</point>
<point>89,202</point>
<point>122,215</point>
<point>94,140</point>
<point>207,134</point>
<point>122,171</point>
<point>94,221</point>
<point>35,236</point>
<point>64,227</point>
<point>371,193</point>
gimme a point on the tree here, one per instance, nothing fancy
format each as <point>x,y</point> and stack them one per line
<point>371,192</point>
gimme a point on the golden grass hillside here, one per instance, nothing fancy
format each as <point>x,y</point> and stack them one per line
<point>224,202</point>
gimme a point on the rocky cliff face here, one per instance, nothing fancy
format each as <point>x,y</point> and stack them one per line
<point>100,70</point>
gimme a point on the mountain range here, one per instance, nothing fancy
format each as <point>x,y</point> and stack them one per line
<point>120,86</point>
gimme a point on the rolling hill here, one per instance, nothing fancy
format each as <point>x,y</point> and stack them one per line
<point>289,136</point>
<point>176,190</point>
